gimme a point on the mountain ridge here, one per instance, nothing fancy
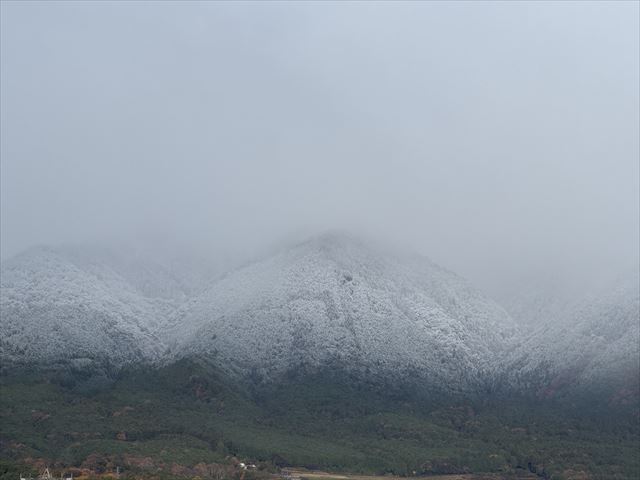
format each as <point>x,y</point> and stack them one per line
<point>331,301</point>
<point>336,284</point>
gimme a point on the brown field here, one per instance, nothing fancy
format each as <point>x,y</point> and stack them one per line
<point>319,475</point>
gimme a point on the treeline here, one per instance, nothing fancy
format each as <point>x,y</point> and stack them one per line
<point>191,413</point>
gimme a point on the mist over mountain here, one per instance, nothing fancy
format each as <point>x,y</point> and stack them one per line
<point>382,238</point>
<point>333,301</point>
<point>595,343</point>
<point>457,135</point>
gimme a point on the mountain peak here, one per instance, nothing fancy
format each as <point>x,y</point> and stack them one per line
<point>336,299</point>
<point>337,237</point>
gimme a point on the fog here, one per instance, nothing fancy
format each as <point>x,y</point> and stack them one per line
<point>499,139</point>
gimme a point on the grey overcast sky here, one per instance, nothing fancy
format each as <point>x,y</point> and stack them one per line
<point>496,138</point>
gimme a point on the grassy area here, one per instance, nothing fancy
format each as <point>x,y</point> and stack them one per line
<point>189,414</point>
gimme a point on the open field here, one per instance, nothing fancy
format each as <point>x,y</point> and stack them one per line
<point>320,475</point>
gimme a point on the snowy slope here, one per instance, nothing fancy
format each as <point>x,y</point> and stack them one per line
<point>596,342</point>
<point>65,303</point>
<point>332,301</point>
<point>335,300</point>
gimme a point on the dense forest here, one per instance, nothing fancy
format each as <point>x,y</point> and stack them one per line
<point>189,413</point>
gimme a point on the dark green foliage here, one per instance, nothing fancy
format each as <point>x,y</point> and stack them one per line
<point>11,470</point>
<point>190,413</point>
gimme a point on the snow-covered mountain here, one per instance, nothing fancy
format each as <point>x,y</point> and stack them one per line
<point>338,301</point>
<point>597,342</point>
<point>333,301</point>
<point>86,303</point>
